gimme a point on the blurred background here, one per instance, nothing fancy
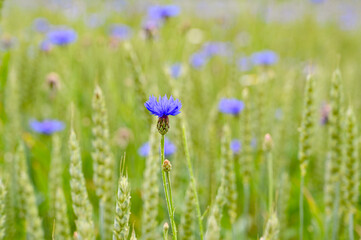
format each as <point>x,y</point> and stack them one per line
<point>53,53</point>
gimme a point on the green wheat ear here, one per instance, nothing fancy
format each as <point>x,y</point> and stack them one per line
<point>103,162</point>
<point>2,210</point>
<point>150,190</point>
<point>229,174</point>
<point>188,218</point>
<point>81,205</point>
<point>335,140</point>
<point>350,173</point>
<point>272,229</point>
<point>306,126</point>
<point>55,172</point>
<point>33,222</point>
<point>62,227</point>
<point>213,229</point>
<point>122,210</point>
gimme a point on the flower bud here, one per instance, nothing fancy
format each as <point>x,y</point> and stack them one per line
<point>53,81</point>
<point>267,143</point>
<point>167,166</point>
<point>163,125</point>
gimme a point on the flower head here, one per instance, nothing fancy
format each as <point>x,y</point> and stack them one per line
<point>236,146</point>
<point>325,113</point>
<point>45,46</point>
<point>264,58</point>
<point>41,25</point>
<point>120,31</point>
<point>198,60</point>
<point>169,148</point>
<point>62,36</point>
<point>164,106</point>
<point>47,127</point>
<point>244,64</point>
<point>161,13</point>
<point>175,70</point>
<point>230,106</point>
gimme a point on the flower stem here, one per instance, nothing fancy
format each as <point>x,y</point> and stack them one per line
<point>168,194</point>
<point>270,181</point>
<point>301,206</point>
<point>350,227</point>
<point>193,181</point>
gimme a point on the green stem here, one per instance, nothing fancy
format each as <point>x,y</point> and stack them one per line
<point>174,227</point>
<point>335,213</point>
<point>246,192</point>
<point>350,227</point>
<point>301,206</point>
<point>167,198</point>
<point>270,181</point>
<point>193,181</point>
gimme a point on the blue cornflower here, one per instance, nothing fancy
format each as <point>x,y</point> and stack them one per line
<point>236,146</point>
<point>264,58</point>
<point>94,20</point>
<point>47,127</point>
<point>62,36</point>
<point>169,148</point>
<point>163,108</point>
<point>41,25</point>
<point>198,60</point>
<point>230,106</point>
<point>211,49</point>
<point>175,70</point>
<point>160,13</point>
<point>120,31</point>
<point>244,64</point>
<point>45,45</point>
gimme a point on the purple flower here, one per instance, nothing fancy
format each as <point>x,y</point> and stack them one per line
<point>47,127</point>
<point>236,146</point>
<point>160,13</point>
<point>279,114</point>
<point>164,106</point>
<point>230,106</point>
<point>150,28</point>
<point>120,31</point>
<point>244,64</point>
<point>45,46</point>
<point>94,20</point>
<point>211,49</point>
<point>41,25</point>
<point>169,148</point>
<point>175,70</point>
<point>264,58</point>
<point>62,36</point>
<point>198,60</point>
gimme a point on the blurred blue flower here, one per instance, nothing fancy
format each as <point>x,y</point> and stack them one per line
<point>41,25</point>
<point>163,12</point>
<point>47,127</point>
<point>211,49</point>
<point>230,106</point>
<point>175,70</point>
<point>169,148</point>
<point>198,60</point>
<point>317,1</point>
<point>236,146</point>
<point>62,36</point>
<point>264,58</point>
<point>254,143</point>
<point>164,106</point>
<point>349,20</point>
<point>120,31</point>
<point>244,64</point>
<point>94,20</point>
<point>45,45</point>
<point>150,28</point>
<point>279,114</point>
